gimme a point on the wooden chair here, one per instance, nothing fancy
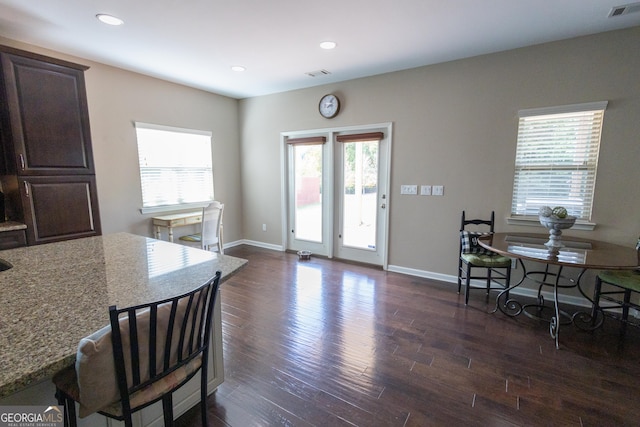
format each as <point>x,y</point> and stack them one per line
<point>211,228</point>
<point>494,268</point>
<point>145,354</point>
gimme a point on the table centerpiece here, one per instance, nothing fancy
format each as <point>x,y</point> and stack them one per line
<point>555,220</point>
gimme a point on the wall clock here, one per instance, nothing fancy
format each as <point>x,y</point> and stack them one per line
<point>329,106</point>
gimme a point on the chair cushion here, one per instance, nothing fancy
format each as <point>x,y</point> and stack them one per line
<point>157,389</point>
<point>486,260</point>
<point>628,279</point>
<point>470,245</point>
<point>196,238</point>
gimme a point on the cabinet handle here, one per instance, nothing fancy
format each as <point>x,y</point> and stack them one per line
<point>22,161</point>
<point>26,189</point>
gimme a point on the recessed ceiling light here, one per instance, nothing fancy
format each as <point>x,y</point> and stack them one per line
<point>328,45</point>
<point>238,68</point>
<point>109,19</point>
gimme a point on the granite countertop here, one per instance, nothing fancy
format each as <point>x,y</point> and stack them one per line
<point>58,293</point>
<point>11,226</point>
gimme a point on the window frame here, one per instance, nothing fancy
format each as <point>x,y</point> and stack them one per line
<point>208,167</point>
<point>591,166</point>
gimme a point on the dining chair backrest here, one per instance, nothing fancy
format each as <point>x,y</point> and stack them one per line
<point>211,232</point>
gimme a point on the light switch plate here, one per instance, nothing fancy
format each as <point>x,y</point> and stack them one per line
<point>438,190</point>
<point>425,190</point>
<point>408,189</point>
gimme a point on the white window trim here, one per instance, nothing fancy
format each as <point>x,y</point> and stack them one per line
<point>177,207</point>
<point>589,106</point>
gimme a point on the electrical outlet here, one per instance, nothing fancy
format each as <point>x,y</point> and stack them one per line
<point>438,190</point>
<point>408,189</point>
<point>425,190</point>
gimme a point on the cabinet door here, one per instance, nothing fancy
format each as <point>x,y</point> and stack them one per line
<point>60,208</point>
<point>46,118</point>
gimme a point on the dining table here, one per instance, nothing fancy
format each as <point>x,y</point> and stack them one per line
<point>574,253</point>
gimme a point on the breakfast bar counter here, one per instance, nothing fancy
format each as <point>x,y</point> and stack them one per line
<point>56,294</point>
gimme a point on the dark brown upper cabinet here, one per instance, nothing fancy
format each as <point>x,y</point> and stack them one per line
<point>46,161</point>
<point>45,117</point>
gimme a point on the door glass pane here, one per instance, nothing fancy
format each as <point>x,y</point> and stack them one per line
<point>308,192</point>
<point>360,194</point>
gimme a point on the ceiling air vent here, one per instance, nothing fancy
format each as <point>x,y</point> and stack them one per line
<point>318,73</point>
<point>624,10</point>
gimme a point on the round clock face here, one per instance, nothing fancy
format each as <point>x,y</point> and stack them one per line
<point>329,106</point>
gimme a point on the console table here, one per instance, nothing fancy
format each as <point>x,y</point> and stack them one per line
<point>175,220</point>
<point>579,253</point>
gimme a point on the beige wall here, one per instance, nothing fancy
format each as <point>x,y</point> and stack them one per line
<point>116,99</point>
<point>455,124</point>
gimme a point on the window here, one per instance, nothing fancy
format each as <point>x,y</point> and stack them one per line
<point>556,159</point>
<point>175,167</point>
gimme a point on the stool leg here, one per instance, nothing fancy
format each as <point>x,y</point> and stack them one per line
<point>167,409</point>
<point>69,407</point>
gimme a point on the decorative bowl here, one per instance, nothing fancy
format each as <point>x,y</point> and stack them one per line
<point>304,255</point>
<point>555,226</point>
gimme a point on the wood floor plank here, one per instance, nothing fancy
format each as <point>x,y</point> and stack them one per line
<point>328,343</point>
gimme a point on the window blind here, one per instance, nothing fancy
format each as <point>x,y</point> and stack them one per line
<point>360,137</point>
<point>310,140</point>
<point>175,165</point>
<point>556,159</point>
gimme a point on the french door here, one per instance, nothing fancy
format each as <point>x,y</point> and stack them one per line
<point>337,193</point>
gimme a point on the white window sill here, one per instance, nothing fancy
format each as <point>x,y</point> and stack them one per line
<point>173,208</point>
<point>535,222</point>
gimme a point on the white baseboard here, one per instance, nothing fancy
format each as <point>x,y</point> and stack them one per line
<point>522,291</point>
<point>273,247</point>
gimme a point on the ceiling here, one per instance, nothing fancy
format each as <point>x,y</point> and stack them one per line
<point>196,42</point>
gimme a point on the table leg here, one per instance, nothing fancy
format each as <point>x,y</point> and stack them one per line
<point>170,233</point>
<point>554,325</point>
<point>158,235</point>
<point>511,307</point>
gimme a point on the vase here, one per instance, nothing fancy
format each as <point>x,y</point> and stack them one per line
<point>555,226</point>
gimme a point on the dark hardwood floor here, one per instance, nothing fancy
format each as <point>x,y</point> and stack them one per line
<point>326,343</point>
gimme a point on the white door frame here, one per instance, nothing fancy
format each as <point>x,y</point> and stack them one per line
<point>328,198</point>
